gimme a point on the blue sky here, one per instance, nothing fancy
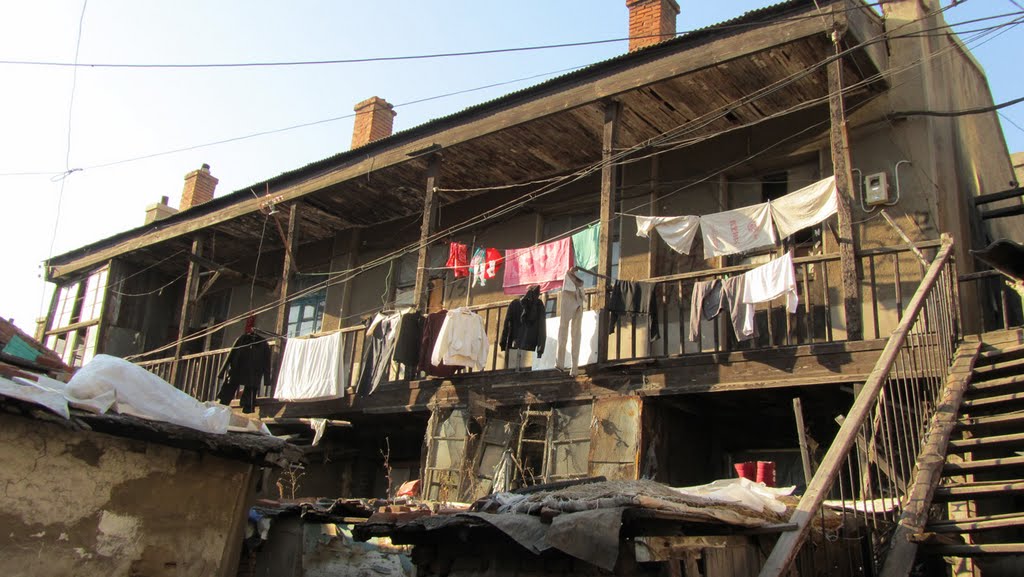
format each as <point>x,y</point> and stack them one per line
<point>120,114</point>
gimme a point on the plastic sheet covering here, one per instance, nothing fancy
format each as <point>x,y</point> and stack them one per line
<point>755,496</point>
<point>140,393</point>
<point>51,400</point>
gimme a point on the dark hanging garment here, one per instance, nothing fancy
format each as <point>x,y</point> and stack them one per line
<point>247,366</point>
<point>634,298</point>
<point>410,335</point>
<point>431,328</point>
<point>525,324</point>
<point>378,349</point>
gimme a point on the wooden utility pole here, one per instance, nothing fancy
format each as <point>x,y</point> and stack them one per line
<point>422,288</point>
<point>608,201</point>
<point>188,302</point>
<point>840,146</point>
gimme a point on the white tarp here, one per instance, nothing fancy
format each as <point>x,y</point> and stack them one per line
<point>754,496</point>
<point>678,232</point>
<point>736,231</point>
<point>312,368</point>
<point>805,207</point>
<point>588,343</point>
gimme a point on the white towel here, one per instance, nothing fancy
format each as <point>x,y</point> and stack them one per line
<point>312,368</point>
<point>677,231</point>
<point>767,282</point>
<point>735,231</point>
<point>805,207</point>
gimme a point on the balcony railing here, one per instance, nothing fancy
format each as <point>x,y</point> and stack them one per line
<point>888,277</point>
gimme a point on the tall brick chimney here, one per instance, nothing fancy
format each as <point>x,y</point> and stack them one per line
<point>374,120</point>
<point>199,187</point>
<point>651,22</point>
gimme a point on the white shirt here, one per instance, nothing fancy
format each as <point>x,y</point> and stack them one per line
<point>462,341</point>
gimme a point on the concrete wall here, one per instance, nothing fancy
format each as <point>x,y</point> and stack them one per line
<point>89,504</point>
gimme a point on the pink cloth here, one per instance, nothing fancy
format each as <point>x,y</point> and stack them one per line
<point>544,265</point>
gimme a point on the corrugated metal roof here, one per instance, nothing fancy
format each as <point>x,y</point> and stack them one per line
<point>714,31</point>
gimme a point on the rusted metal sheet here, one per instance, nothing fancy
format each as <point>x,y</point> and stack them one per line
<point>615,438</point>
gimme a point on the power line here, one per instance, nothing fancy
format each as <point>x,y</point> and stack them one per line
<point>361,60</point>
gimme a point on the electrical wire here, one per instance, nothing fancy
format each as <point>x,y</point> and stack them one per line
<point>343,276</point>
<point>362,60</point>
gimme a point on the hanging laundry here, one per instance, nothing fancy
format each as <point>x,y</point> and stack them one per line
<point>462,340</point>
<point>524,327</point>
<point>544,265</point>
<point>571,302</point>
<point>767,282</point>
<point>678,232</point>
<point>484,265</point>
<point>735,231</point>
<point>247,366</point>
<point>739,312</point>
<point>585,246</point>
<point>431,330</point>
<point>458,259</point>
<point>312,368</point>
<point>407,342</point>
<point>378,348</point>
<point>584,354</point>
<point>706,303</point>
<point>805,207</point>
<point>634,297</point>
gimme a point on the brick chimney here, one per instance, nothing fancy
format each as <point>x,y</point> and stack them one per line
<point>374,119</point>
<point>159,211</point>
<point>199,187</point>
<point>651,22</point>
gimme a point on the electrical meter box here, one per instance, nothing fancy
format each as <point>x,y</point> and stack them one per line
<point>876,189</point>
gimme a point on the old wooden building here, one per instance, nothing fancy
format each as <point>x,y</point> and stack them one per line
<point>726,117</point>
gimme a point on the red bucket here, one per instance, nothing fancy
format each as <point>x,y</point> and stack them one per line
<point>766,473</point>
<point>747,470</point>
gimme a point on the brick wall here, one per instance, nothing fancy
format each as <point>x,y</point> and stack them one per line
<point>650,18</point>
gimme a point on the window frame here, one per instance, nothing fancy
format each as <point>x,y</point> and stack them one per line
<point>83,296</point>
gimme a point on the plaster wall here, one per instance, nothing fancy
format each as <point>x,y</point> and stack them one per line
<point>88,504</point>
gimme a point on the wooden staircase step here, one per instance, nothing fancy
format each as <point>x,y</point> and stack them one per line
<point>999,367</point>
<point>982,387</point>
<point>974,524</point>
<point>990,401</point>
<point>978,490</point>
<point>1013,418</point>
<point>959,445</point>
<point>981,465</point>
<point>975,550</point>
<point>1000,353</point>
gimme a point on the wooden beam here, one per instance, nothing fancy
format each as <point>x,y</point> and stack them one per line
<point>291,241</point>
<point>840,147</point>
<point>227,271</point>
<point>427,227</point>
<point>609,137</point>
<point>801,434</point>
<point>187,304</point>
<point>209,284</point>
<point>586,90</point>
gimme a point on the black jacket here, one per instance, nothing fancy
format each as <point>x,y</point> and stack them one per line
<point>525,324</point>
<point>248,361</point>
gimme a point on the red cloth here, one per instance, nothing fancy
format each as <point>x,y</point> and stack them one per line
<point>458,259</point>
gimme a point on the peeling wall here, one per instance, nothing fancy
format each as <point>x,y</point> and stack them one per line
<point>83,503</point>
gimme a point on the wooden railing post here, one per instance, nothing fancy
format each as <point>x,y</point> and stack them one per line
<point>608,201</point>
<point>427,227</point>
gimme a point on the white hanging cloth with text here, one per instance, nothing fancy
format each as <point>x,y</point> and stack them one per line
<point>677,231</point>
<point>805,207</point>
<point>738,230</point>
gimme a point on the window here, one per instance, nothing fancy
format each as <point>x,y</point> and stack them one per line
<point>74,326</point>
<point>306,314</point>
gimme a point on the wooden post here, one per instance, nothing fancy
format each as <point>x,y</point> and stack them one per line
<point>422,288</point>
<point>724,342</point>
<point>187,305</point>
<point>608,201</point>
<point>355,241</point>
<point>840,146</point>
<point>801,433</point>
<point>291,241</point>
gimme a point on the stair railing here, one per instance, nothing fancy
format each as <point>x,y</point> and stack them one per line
<point>851,506</point>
